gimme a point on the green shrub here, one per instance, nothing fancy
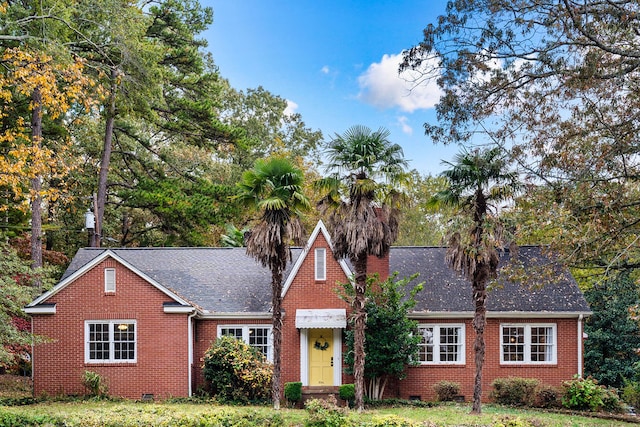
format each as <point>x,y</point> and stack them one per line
<point>392,421</point>
<point>347,392</point>
<point>631,393</point>
<point>325,413</point>
<point>293,391</point>
<point>95,384</point>
<point>583,394</point>
<point>236,371</point>
<point>611,400</point>
<point>509,421</point>
<point>546,396</point>
<point>446,391</point>
<point>513,391</point>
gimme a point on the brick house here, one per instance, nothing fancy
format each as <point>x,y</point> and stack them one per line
<point>143,317</point>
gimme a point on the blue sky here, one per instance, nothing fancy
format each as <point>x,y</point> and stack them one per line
<point>335,62</point>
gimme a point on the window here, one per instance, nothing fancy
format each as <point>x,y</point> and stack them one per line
<point>321,263</point>
<point>528,343</point>
<point>258,337</point>
<point>110,341</point>
<point>442,344</point>
<point>109,279</point>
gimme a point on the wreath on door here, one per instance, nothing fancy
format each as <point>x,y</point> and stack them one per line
<point>321,344</point>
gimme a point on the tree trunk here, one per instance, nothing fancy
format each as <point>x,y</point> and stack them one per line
<point>276,288</point>
<point>479,279</point>
<point>36,186</point>
<point>360,321</point>
<point>106,158</point>
<point>479,322</point>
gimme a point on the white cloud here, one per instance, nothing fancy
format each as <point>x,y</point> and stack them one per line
<point>382,87</point>
<point>291,108</point>
<point>404,125</point>
<point>325,69</point>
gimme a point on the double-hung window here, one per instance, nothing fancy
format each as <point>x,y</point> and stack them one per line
<point>534,343</point>
<point>258,337</point>
<point>442,343</point>
<point>110,341</point>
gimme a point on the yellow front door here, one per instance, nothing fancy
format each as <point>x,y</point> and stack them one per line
<point>321,357</point>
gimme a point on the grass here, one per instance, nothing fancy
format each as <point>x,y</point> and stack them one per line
<point>113,412</point>
<point>106,412</point>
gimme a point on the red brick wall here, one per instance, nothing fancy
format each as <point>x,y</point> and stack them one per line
<point>162,339</point>
<point>420,380</point>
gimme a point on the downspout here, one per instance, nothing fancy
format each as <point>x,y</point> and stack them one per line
<point>580,345</point>
<point>191,345</point>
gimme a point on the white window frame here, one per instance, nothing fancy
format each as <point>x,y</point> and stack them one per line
<point>245,335</point>
<point>112,326</point>
<point>110,280</point>
<point>437,327</point>
<point>527,344</point>
<point>320,264</point>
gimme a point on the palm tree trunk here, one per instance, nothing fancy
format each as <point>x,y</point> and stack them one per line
<point>480,278</point>
<point>360,321</point>
<point>276,289</point>
<point>479,322</point>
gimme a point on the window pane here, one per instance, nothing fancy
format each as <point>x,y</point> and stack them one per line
<point>449,344</point>
<point>124,341</point>
<point>232,332</point>
<point>426,345</point>
<point>320,258</point>
<point>513,343</point>
<point>99,341</point>
<point>259,338</point>
<point>541,344</point>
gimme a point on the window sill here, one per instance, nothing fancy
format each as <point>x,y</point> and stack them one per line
<point>131,364</point>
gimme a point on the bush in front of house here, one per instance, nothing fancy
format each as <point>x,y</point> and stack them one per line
<point>293,391</point>
<point>514,391</point>
<point>546,396</point>
<point>95,384</point>
<point>325,413</point>
<point>631,393</point>
<point>446,391</point>
<point>236,372</point>
<point>587,395</point>
<point>347,392</point>
<point>395,421</point>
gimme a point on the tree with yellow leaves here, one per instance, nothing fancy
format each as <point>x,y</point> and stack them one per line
<point>36,89</point>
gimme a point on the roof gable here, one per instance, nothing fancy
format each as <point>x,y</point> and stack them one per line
<point>320,228</point>
<point>71,276</point>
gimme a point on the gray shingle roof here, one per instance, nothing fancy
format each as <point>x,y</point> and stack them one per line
<point>447,291</point>
<point>214,279</point>
<point>226,280</point>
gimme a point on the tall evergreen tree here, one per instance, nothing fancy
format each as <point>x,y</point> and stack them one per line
<point>611,349</point>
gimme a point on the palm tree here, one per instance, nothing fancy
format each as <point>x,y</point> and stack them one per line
<point>274,187</point>
<point>359,226</point>
<point>476,180</point>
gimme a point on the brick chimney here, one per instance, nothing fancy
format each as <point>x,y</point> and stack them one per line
<point>375,264</point>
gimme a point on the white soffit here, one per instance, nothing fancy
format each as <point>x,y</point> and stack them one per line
<point>321,318</point>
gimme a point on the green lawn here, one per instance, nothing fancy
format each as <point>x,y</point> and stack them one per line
<point>122,413</point>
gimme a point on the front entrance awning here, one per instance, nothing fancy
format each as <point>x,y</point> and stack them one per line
<point>321,318</point>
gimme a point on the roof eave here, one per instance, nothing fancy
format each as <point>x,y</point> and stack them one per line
<point>259,315</point>
<point>500,314</point>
